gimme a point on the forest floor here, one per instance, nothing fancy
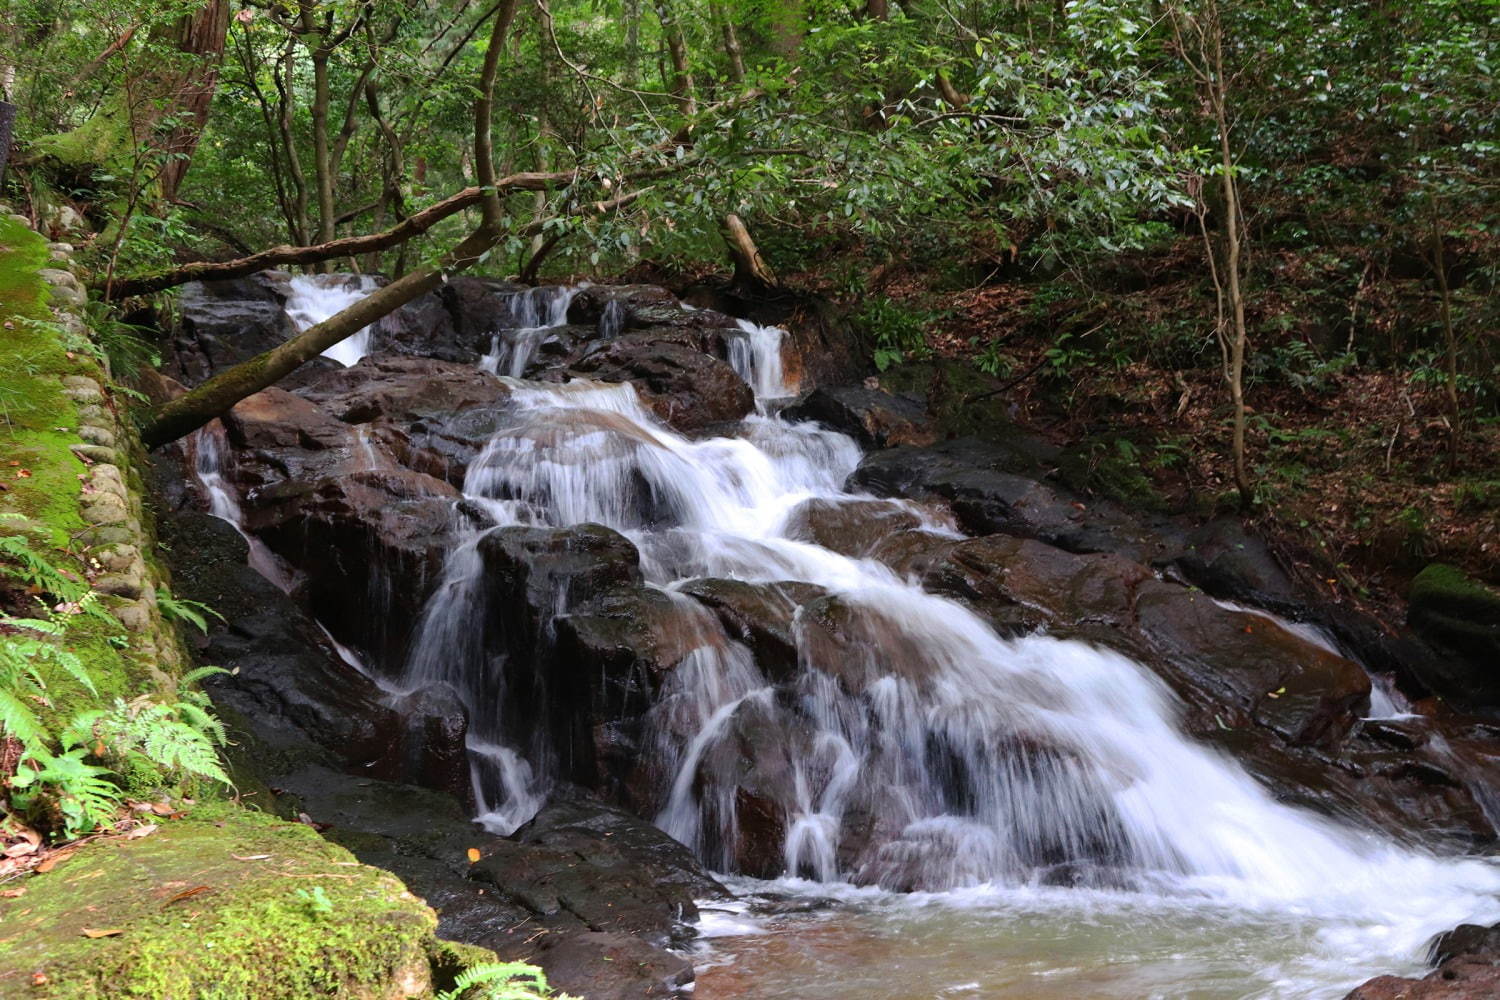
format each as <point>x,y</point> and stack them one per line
<point>1350,462</point>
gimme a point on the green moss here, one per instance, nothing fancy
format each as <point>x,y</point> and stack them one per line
<point>1447,590</point>
<point>257,928</point>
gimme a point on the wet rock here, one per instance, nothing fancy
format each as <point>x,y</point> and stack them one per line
<point>431,730</point>
<point>431,416</point>
<point>851,527</point>
<point>859,644</point>
<point>684,386</point>
<point>604,966</point>
<point>760,615</point>
<point>594,829</point>
<point>619,308</point>
<point>975,481</point>
<point>748,782</point>
<point>477,307</point>
<point>221,323</point>
<point>370,545</point>
<point>1468,968</point>
<point>1215,657</point>
<point>286,675</point>
<point>873,418</point>
<point>1461,617</point>
<point>1022,584</point>
<point>1228,562</point>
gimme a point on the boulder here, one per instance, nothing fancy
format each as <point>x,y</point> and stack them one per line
<point>615,309</point>
<point>760,615</point>
<point>976,481</point>
<point>1461,617</point>
<point>221,323</point>
<point>873,418</point>
<point>1467,961</point>
<point>854,527</point>
<point>369,545</point>
<point>684,386</point>
<point>477,307</point>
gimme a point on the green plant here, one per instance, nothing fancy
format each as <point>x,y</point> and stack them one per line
<point>180,609</point>
<point>897,332</point>
<point>501,981</point>
<point>20,561</point>
<point>315,901</point>
<point>992,362</point>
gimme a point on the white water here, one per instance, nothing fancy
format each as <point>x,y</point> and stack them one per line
<point>314,298</point>
<point>989,766</point>
<point>210,460</point>
<point>532,315</point>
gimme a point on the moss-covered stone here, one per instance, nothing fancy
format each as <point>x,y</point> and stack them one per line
<point>225,904</point>
<point>1458,612</point>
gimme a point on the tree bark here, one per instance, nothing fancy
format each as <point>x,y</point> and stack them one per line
<point>682,76</point>
<point>751,272</point>
<point>200,37</point>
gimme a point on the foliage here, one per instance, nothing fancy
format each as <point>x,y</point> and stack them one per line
<point>897,332</point>
<point>501,981</point>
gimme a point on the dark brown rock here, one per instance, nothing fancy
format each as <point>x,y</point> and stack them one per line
<point>873,418</point>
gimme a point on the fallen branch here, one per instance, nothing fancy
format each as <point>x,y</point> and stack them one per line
<point>188,412</point>
<point>414,225</point>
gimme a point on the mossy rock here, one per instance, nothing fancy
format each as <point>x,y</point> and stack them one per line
<point>222,905</point>
<point>1457,611</point>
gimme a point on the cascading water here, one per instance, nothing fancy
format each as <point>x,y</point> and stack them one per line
<point>312,299</point>
<point>210,458</point>
<point>973,764</point>
<point>532,313</point>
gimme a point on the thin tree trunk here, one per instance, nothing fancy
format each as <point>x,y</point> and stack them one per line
<point>1450,337</point>
<point>682,75</point>
<point>1233,268</point>
<point>200,37</point>
<point>732,47</point>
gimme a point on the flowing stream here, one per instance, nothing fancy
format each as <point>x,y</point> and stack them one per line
<point>1050,830</point>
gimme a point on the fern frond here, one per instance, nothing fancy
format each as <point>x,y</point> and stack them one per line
<point>18,720</point>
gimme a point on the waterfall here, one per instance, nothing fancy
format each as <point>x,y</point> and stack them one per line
<point>532,315</point>
<point>987,760</point>
<point>210,453</point>
<point>756,355</point>
<point>314,298</point>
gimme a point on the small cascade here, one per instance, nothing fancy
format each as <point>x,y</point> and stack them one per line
<point>912,747</point>
<point>533,314</point>
<point>314,298</point>
<point>755,354</point>
<point>210,449</point>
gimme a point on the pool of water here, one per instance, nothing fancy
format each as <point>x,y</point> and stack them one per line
<point>1042,944</point>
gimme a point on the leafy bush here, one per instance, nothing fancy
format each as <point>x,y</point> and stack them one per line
<point>897,332</point>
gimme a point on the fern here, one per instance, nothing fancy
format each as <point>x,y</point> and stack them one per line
<point>501,981</point>
<point>79,791</point>
<point>183,610</point>
<point>181,737</point>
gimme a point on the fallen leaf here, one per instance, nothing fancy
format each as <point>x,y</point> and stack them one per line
<point>91,932</point>
<point>38,979</point>
<point>144,830</point>
<point>162,809</point>
<point>249,857</point>
<point>196,890</point>
<point>54,859</point>
<point>12,893</point>
<point>19,850</point>
<point>473,855</point>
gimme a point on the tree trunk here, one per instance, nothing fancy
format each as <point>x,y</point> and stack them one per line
<point>682,75</point>
<point>751,272</point>
<point>1450,337</point>
<point>732,47</point>
<point>200,36</point>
